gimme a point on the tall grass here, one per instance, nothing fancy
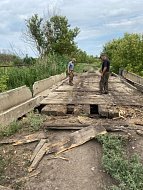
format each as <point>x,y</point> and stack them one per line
<point>43,68</point>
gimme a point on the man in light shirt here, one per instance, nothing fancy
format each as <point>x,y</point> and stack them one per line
<point>70,71</point>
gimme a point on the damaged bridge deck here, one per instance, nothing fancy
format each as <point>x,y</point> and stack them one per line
<point>84,96</point>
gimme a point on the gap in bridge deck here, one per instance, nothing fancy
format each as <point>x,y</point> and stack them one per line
<point>39,108</point>
<point>94,109</point>
<point>70,108</point>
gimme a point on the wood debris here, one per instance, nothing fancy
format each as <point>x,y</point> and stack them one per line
<point>58,157</point>
<point>26,139</point>
<point>38,147</point>
<point>138,123</point>
<point>139,132</point>
<point>72,140</point>
<point>38,157</point>
<point>123,126</point>
<point>85,120</point>
<point>64,126</point>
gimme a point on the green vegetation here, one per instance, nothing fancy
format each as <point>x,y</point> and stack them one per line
<point>43,68</point>
<point>51,35</point>
<point>3,83</point>
<point>13,77</point>
<point>128,172</point>
<point>126,53</point>
<point>32,123</point>
<point>10,129</point>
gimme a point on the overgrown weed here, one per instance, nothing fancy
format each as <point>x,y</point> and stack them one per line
<point>128,172</point>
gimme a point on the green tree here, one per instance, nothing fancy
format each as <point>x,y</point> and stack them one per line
<point>53,35</point>
<point>63,39</point>
<point>35,33</point>
<point>126,52</point>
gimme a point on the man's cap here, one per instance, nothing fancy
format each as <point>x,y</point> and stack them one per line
<point>73,59</point>
<point>102,54</point>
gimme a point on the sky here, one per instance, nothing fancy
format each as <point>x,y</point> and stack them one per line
<point>99,21</point>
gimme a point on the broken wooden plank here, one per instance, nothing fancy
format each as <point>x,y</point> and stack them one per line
<point>72,140</point>
<point>38,157</point>
<point>138,123</point>
<point>38,147</point>
<point>64,126</point>
<point>139,132</point>
<point>75,126</point>
<point>85,120</point>
<point>26,139</point>
<point>75,139</point>
<point>30,138</point>
<point>8,141</point>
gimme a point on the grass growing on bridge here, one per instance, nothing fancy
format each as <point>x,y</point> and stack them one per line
<point>84,67</point>
<point>128,172</point>
<point>32,122</point>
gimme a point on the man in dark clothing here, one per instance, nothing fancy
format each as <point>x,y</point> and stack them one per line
<point>103,84</point>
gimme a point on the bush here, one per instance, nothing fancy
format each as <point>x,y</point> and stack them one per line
<point>3,83</point>
<point>129,173</point>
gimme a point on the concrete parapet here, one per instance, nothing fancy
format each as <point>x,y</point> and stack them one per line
<point>133,77</point>
<point>17,102</point>
<point>18,111</point>
<point>43,85</point>
<point>14,97</point>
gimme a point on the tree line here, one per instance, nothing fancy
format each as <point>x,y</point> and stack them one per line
<point>126,53</point>
<point>54,36</point>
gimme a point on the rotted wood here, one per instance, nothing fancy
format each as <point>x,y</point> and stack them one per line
<point>38,157</point>
<point>26,139</point>
<point>64,126</point>
<point>139,132</point>
<point>108,127</point>
<point>72,140</point>
<point>38,147</point>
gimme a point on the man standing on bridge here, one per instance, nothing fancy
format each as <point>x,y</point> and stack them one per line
<point>103,84</point>
<point>70,71</point>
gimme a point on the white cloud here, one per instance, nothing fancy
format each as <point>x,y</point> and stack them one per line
<point>99,21</point>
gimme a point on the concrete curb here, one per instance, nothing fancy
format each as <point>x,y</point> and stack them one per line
<point>17,102</point>
<point>14,97</point>
<point>45,84</point>
<point>18,111</point>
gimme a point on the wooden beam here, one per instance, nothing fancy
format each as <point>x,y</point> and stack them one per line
<point>26,139</point>
<point>108,127</point>
<point>38,147</point>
